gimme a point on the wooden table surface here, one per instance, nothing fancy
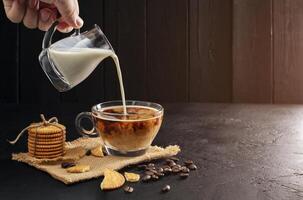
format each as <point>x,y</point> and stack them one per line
<point>242,152</point>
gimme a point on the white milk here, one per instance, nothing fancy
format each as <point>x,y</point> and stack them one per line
<point>76,64</point>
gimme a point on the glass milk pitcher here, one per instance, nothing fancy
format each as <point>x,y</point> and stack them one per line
<point>69,61</point>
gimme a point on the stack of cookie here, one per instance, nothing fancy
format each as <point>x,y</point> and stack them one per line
<point>46,141</point>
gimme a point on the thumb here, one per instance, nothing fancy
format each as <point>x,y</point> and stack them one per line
<point>69,11</point>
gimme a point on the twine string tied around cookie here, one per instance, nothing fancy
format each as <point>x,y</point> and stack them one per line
<point>52,121</point>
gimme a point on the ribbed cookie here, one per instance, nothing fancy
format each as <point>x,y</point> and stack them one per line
<point>49,129</point>
<point>44,146</point>
<point>47,156</point>
<point>41,153</point>
<point>53,135</point>
<point>38,139</point>
<point>45,150</point>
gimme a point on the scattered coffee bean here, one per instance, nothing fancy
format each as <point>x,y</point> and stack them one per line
<point>171,164</point>
<point>146,178</point>
<point>142,166</point>
<point>151,165</point>
<point>88,152</point>
<point>185,170</point>
<point>160,174</point>
<point>165,166</point>
<point>128,189</point>
<point>167,170</point>
<point>166,188</point>
<point>150,168</point>
<point>174,159</point>
<point>149,173</point>
<point>155,177</point>
<point>179,166</point>
<point>67,164</point>
<point>160,170</point>
<point>188,162</point>
<point>176,170</point>
<point>153,170</point>
<point>192,167</point>
<point>184,175</point>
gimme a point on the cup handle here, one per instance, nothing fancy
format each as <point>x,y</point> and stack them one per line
<point>82,131</point>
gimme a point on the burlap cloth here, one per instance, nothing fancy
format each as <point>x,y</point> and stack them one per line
<point>98,165</point>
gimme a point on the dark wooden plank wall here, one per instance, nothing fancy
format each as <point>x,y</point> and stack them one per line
<point>288,51</point>
<point>252,51</point>
<point>210,69</point>
<point>174,50</point>
<point>267,51</point>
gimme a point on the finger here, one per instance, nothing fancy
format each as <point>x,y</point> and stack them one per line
<point>47,17</point>
<point>64,27</point>
<point>30,19</point>
<point>69,12</point>
<point>14,9</point>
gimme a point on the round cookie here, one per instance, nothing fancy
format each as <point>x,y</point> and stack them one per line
<point>48,129</point>
<point>42,136</point>
<point>45,150</point>
<point>41,153</point>
<point>45,146</point>
<point>47,156</point>
<point>46,140</point>
<point>55,150</point>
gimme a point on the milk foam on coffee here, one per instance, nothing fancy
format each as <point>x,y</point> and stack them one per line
<point>76,64</point>
<point>134,113</point>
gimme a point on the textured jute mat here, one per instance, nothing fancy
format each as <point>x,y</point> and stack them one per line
<point>76,149</point>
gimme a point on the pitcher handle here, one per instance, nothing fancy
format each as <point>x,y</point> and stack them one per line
<point>82,131</point>
<point>47,40</point>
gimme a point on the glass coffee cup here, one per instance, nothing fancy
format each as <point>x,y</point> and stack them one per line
<point>126,135</point>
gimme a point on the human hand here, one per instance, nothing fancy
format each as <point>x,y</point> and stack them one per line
<point>42,13</point>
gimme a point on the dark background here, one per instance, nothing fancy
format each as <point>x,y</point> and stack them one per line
<point>172,51</point>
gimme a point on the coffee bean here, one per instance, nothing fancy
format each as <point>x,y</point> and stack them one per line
<point>67,164</point>
<point>185,170</point>
<point>179,166</point>
<point>142,166</point>
<point>153,170</point>
<point>160,170</point>
<point>159,174</point>
<point>146,178</point>
<point>174,159</point>
<point>128,189</point>
<point>151,165</point>
<point>149,173</point>
<point>184,175</point>
<point>192,167</point>
<point>88,152</point>
<point>165,166</point>
<point>167,170</point>
<point>166,188</point>
<point>171,164</point>
<point>176,169</point>
<point>188,162</point>
<point>155,177</point>
<point>150,168</point>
